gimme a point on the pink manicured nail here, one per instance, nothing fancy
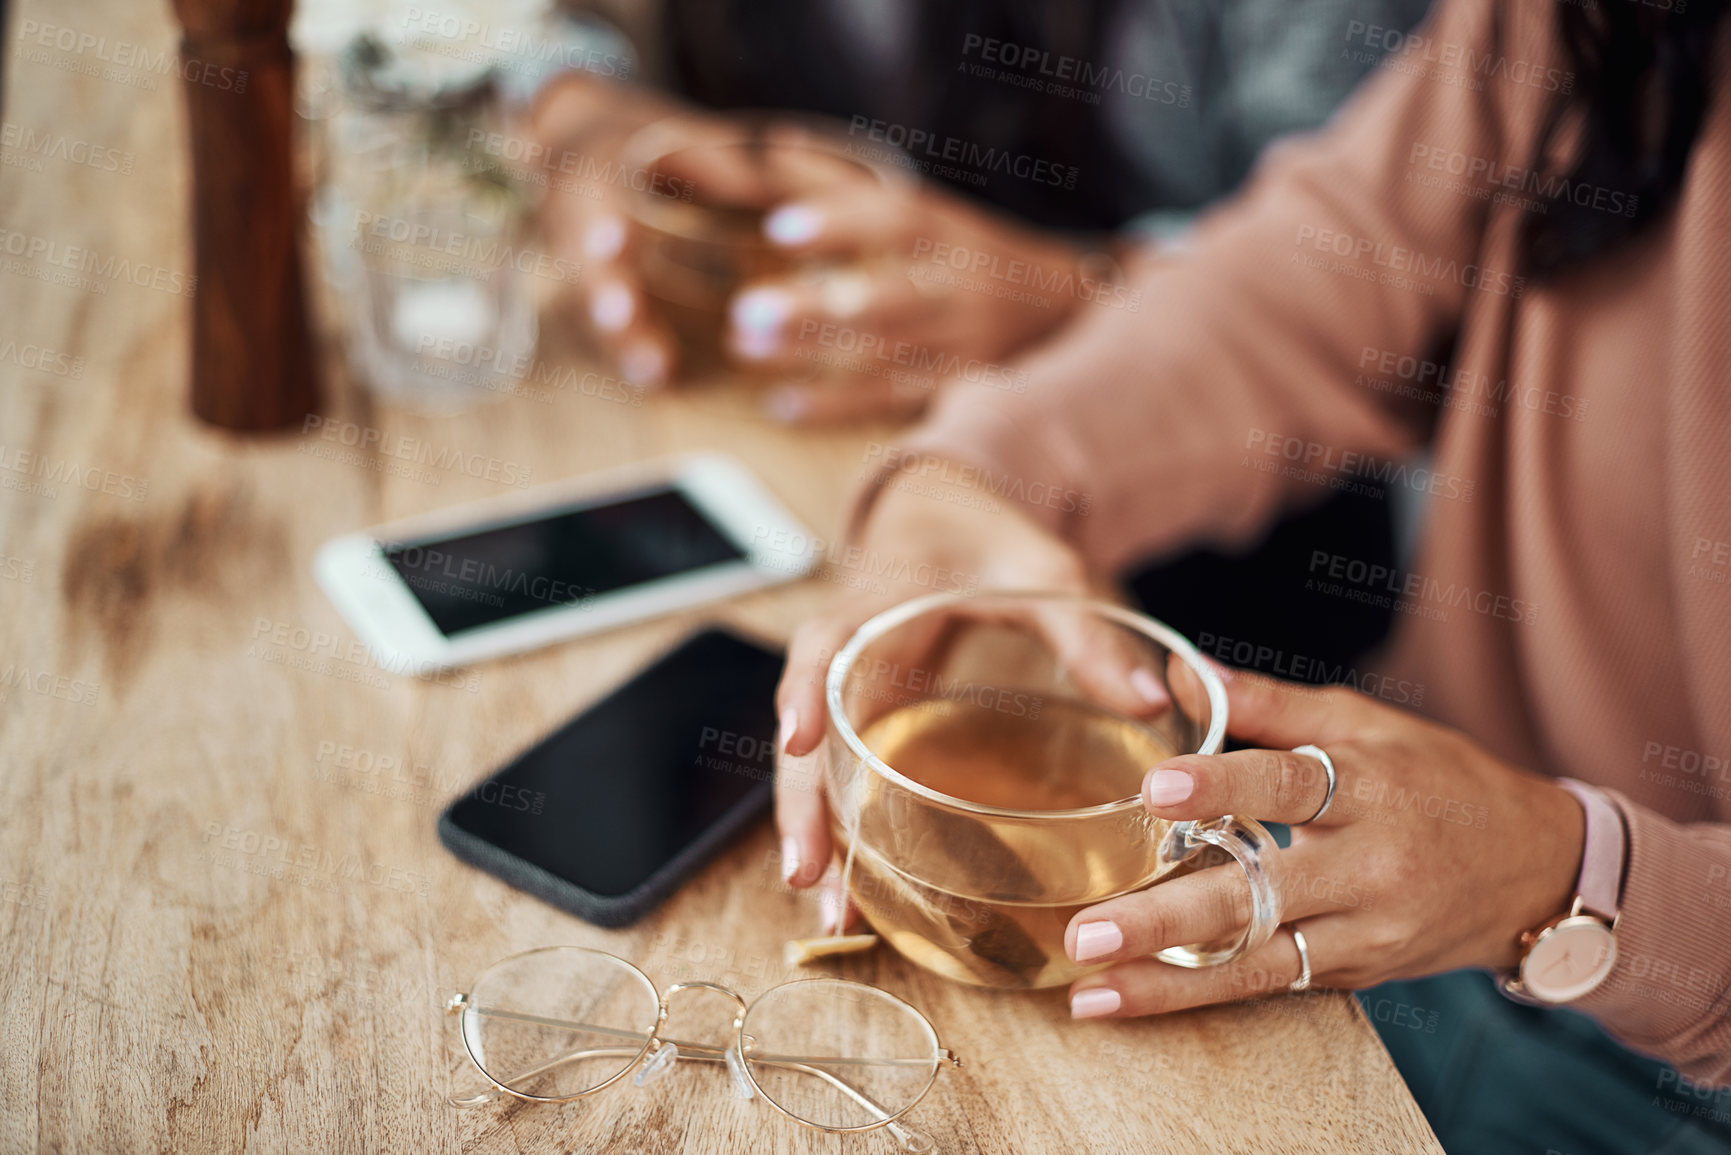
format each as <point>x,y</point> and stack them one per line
<point>1097,939</point>
<point>757,316</point>
<point>789,858</point>
<point>611,307</point>
<point>833,911</point>
<point>1148,687</point>
<point>643,365</point>
<point>604,238</point>
<point>1168,787</point>
<point>789,723</point>
<point>793,224</point>
<point>1094,1002</point>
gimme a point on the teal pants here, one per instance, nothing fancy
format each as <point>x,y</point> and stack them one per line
<point>1497,1078</point>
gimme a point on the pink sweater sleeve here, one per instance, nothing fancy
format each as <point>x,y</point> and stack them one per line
<point>1670,991</point>
<point>1153,427</point>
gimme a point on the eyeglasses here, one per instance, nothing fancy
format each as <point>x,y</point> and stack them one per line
<point>562,1022</point>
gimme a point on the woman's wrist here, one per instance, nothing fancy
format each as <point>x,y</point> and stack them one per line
<point>1559,830</point>
<point>931,474</point>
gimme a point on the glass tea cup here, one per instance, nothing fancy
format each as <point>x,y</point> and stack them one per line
<point>700,193</point>
<point>984,771</point>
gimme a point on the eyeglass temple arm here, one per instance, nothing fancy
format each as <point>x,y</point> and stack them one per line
<point>704,1053</point>
<point>910,1138</point>
<point>481,1095</point>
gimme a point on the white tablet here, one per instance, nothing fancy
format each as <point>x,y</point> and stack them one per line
<point>517,572</point>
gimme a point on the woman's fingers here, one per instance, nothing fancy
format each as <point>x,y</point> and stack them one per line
<point>1273,785</point>
<point>801,814</point>
<point>618,312</point>
<point>801,809</point>
<point>782,322</point>
<point>850,218</point>
<point>1269,712</point>
<point>610,295</point>
<point>799,698</point>
<point>1187,686</point>
<point>638,340</point>
<point>801,806</point>
<point>836,912</point>
<point>1149,987</point>
<point>1106,661</point>
<point>859,319</point>
<point>1201,907</point>
<point>1209,906</point>
<point>801,817</point>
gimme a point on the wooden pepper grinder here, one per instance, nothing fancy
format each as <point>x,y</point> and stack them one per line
<point>253,363</point>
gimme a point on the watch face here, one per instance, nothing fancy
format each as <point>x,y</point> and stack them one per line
<point>1569,960</point>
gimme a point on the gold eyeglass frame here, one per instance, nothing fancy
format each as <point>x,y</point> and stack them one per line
<point>460,1004</point>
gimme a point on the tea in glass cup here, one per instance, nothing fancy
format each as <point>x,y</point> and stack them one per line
<point>985,764</point>
<point>701,194</point>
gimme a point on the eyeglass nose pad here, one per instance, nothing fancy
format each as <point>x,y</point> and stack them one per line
<point>658,1065</point>
<point>736,1071</point>
<point>911,1140</point>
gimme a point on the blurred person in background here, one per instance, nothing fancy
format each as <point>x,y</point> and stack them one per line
<point>1184,96</point>
<point>1533,201</point>
<point>1164,108</point>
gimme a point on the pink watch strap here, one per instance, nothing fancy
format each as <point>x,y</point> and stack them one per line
<point>1601,880</point>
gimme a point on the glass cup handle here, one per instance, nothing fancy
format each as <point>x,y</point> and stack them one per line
<point>1246,840</point>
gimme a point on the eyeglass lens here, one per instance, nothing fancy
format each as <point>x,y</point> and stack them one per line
<point>839,1054</point>
<point>558,1022</point>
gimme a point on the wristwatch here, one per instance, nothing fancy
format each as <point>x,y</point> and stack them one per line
<point>1569,956</point>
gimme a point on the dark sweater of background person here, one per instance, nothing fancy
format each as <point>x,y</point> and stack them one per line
<point>1168,104</point>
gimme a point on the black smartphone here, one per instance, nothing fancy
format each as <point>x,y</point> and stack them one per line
<point>606,816</point>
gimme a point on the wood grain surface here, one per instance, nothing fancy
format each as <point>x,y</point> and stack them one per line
<point>176,696</point>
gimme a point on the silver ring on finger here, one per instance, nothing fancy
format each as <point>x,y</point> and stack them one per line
<point>1320,755</point>
<point>1302,983</point>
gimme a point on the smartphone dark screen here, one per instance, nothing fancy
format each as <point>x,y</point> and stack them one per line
<point>480,578</point>
<point>638,781</point>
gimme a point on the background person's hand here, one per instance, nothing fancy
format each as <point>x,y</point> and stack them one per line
<point>935,286</point>
<point>584,124</point>
<point>939,289</point>
<point>1434,855</point>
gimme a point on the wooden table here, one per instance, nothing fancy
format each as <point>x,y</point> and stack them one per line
<point>176,696</point>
